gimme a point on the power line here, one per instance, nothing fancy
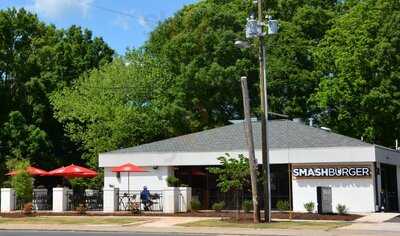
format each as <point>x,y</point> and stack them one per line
<point>110,10</point>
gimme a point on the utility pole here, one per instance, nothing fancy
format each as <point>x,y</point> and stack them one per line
<point>264,121</point>
<point>254,29</point>
<point>250,145</point>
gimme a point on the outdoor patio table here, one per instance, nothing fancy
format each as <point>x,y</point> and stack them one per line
<point>126,200</point>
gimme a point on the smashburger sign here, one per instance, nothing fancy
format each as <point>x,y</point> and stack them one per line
<point>331,171</point>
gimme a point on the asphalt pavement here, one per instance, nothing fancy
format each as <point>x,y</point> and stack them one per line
<point>72,233</point>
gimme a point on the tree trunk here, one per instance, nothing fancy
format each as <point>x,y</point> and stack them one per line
<point>237,205</point>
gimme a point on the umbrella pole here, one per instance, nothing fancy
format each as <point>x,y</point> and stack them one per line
<point>128,183</point>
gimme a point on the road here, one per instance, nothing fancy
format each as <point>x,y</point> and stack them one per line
<point>66,233</point>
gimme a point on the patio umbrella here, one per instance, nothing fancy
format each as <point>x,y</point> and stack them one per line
<point>73,171</point>
<point>128,167</point>
<point>198,173</point>
<point>32,171</point>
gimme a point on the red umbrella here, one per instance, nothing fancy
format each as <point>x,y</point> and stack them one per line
<point>198,173</point>
<point>33,171</point>
<point>128,167</point>
<point>56,172</point>
<point>73,171</point>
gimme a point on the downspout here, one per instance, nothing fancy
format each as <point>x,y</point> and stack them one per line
<point>290,187</point>
<point>376,187</point>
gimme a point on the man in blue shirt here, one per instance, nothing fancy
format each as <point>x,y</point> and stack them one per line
<point>146,198</point>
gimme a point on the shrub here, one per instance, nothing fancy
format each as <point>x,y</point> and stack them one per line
<point>28,208</point>
<point>218,206</point>
<point>22,181</point>
<point>195,205</point>
<point>81,209</point>
<point>341,209</point>
<point>283,205</point>
<point>172,181</point>
<point>309,206</point>
<point>247,205</point>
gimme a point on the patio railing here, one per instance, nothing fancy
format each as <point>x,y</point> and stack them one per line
<point>127,199</point>
<point>90,199</point>
<point>42,200</point>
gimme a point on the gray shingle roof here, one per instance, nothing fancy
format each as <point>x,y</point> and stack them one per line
<point>282,134</point>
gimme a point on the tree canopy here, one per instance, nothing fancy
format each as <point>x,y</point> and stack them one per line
<point>198,42</point>
<point>358,61</point>
<point>233,174</point>
<point>331,60</point>
<point>35,60</point>
<point>133,100</point>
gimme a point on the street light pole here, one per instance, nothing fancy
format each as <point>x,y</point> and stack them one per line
<point>264,121</point>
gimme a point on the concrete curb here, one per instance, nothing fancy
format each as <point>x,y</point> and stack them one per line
<point>187,230</point>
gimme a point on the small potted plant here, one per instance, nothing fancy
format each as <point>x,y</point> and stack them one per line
<point>309,206</point>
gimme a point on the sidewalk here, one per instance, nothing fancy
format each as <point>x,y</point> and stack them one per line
<point>375,222</point>
<point>200,230</point>
<point>168,225</point>
<point>378,217</point>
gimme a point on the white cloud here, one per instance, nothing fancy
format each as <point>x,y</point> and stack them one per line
<point>61,8</point>
<point>131,17</point>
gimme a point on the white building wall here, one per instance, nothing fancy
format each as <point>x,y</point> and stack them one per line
<point>387,155</point>
<point>356,194</point>
<point>277,156</point>
<point>154,178</point>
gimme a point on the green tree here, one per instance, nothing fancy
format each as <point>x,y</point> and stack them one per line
<point>35,60</point>
<point>198,43</point>
<point>23,142</point>
<point>22,182</point>
<point>130,101</point>
<point>232,175</point>
<point>358,63</point>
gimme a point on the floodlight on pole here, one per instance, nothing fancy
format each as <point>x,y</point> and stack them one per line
<point>242,44</point>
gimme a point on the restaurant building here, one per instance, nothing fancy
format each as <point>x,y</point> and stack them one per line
<point>362,176</point>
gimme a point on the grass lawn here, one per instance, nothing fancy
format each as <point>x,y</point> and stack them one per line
<point>273,225</point>
<point>82,220</point>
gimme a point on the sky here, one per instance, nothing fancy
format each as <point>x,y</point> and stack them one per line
<point>121,23</point>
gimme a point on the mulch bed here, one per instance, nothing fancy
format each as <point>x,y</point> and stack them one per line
<point>224,214</point>
<point>312,216</point>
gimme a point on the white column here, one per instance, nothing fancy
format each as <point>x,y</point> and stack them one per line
<point>170,200</point>
<point>184,198</point>
<point>8,200</point>
<point>60,199</point>
<point>110,199</point>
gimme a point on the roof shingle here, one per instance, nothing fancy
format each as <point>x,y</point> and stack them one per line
<point>282,134</point>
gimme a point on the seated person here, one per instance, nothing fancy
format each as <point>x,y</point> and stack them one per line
<point>145,197</point>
